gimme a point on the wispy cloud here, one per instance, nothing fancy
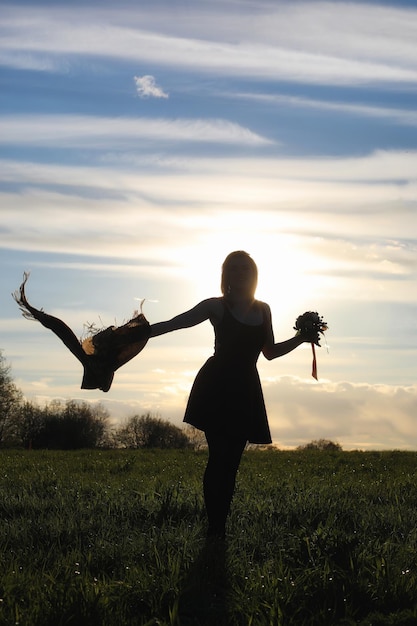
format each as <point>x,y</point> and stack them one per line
<point>241,199</point>
<point>14,59</point>
<point>405,117</point>
<point>350,44</point>
<point>95,132</point>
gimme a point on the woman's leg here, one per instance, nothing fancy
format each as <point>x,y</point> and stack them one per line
<point>225,453</point>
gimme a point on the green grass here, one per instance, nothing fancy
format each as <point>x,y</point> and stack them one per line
<point>118,538</point>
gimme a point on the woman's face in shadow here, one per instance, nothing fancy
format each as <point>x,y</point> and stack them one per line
<point>240,275</point>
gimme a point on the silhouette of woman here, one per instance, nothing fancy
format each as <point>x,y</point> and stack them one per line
<point>226,399</point>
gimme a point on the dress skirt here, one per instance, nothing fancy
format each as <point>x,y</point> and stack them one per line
<point>227,398</point>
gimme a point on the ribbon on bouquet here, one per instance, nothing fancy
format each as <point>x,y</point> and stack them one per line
<point>314,367</point>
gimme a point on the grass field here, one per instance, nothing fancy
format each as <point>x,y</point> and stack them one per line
<point>118,538</point>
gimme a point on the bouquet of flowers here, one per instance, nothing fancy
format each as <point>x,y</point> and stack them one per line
<point>309,326</point>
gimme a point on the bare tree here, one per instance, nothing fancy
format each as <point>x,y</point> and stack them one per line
<point>68,426</point>
<point>10,401</point>
<point>145,431</point>
<point>30,423</point>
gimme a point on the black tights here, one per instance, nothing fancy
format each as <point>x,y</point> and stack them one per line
<point>219,480</point>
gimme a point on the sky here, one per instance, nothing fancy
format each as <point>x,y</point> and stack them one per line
<point>140,144</point>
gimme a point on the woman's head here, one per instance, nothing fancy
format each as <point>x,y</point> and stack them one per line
<point>239,273</point>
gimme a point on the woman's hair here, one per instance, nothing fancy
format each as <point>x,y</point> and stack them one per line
<point>226,271</point>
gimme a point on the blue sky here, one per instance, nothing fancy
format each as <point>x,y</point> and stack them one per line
<point>141,144</point>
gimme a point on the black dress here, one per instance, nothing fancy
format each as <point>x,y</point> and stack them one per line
<point>226,396</point>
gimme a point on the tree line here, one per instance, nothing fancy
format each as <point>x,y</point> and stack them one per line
<point>73,425</point>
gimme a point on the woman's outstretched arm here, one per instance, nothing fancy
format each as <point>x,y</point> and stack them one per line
<point>207,309</point>
<point>272,350</point>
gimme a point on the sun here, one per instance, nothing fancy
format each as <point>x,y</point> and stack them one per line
<point>286,266</point>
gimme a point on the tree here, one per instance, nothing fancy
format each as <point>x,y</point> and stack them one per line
<point>145,431</point>
<point>85,424</point>
<point>321,444</point>
<point>59,426</point>
<point>10,401</point>
<point>30,422</point>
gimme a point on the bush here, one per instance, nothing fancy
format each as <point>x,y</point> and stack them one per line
<point>145,431</point>
<point>321,444</point>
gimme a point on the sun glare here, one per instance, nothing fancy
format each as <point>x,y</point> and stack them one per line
<point>284,263</point>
